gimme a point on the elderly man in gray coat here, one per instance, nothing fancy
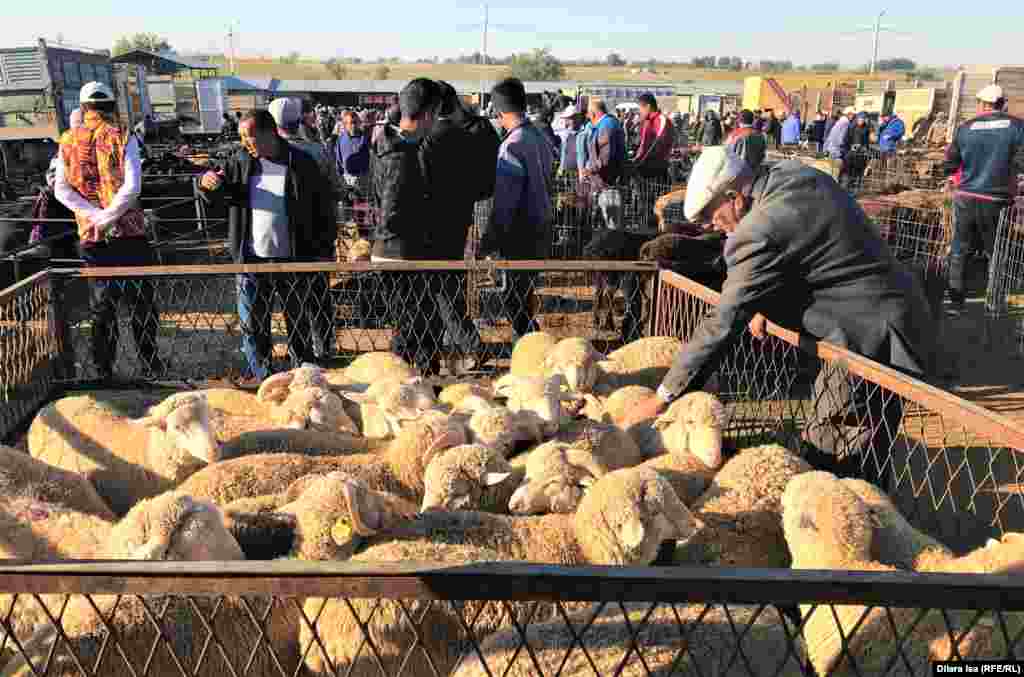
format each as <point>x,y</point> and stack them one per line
<point>801,251</point>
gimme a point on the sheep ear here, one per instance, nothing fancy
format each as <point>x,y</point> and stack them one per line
<point>662,499</point>
<point>158,422</point>
<point>275,388</point>
<point>494,478</point>
<point>706,445</point>
<point>370,510</point>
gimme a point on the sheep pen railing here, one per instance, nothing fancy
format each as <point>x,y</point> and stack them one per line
<point>955,469</point>
<point>29,348</point>
<point>440,313</point>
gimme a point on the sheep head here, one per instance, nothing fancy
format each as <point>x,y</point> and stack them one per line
<point>576,360</point>
<point>276,388</point>
<point>695,423</point>
<point>458,478</point>
<point>184,418</point>
<point>314,408</point>
<point>372,511</point>
<point>175,527</point>
<point>494,427</point>
<point>557,477</point>
<point>456,395</point>
<point>626,516</point>
<point>826,524</point>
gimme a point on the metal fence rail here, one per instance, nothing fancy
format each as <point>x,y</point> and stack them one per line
<point>302,618</point>
<point>189,320</point>
<point>1004,296</point>
<point>29,347</point>
<point>953,468</point>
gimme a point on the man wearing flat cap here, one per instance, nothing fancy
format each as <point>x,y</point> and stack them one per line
<point>800,251</point>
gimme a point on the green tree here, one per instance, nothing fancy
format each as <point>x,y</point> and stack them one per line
<point>151,42</point>
<point>537,65</point>
<point>292,58</point>
<point>336,68</point>
<point>381,72</point>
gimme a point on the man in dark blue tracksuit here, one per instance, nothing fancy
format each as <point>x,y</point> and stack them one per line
<point>981,159</point>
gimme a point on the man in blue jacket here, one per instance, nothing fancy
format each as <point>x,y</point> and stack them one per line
<point>890,133</point>
<point>352,153</point>
<point>982,157</point>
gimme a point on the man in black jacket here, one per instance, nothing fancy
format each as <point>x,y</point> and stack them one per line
<point>279,208</point>
<point>408,224</point>
<point>800,250</point>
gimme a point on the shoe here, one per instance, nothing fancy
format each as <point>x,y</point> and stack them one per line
<point>956,302</point>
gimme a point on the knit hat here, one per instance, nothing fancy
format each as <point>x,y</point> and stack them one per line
<point>509,96</point>
<point>286,112</point>
<point>95,92</point>
<point>991,94</point>
<point>715,169</point>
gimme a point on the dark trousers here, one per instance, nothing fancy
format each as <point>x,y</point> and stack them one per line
<point>418,325</point>
<point>854,429</point>
<point>521,302</point>
<point>450,297</point>
<point>107,295</point>
<point>256,294</point>
<point>974,222</point>
<point>318,320</point>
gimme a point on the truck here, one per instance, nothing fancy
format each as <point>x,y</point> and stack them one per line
<point>39,88</point>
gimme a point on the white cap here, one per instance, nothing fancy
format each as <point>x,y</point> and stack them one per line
<point>95,92</point>
<point>286,112</point>
<point>991,94</point>
<point>569,111</point>
<point>715,169</point>
<point>849,110</point>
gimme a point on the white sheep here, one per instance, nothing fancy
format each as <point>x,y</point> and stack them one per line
<point>399,468</point>
<point>694,424</point>
<point>126,460</point>
<point>555,479</point>
<point>387,405</point>
<point>27,477</point>
<point>370,368</point>
<point>644,362</point>
<point>169,527</point>
<point>828,526</point>
<point>742,511</point>
<point>452,396</point>
<point>469,477</point>
<point>622,521</point>
<point>529,353</point>
<point>542,397</point>
<point>576,360</point>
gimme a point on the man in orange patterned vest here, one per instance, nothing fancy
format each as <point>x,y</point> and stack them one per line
<point>99,178</point>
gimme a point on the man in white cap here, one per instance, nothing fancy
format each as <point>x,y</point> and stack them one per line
<point>571,120</point>
<point>837,145</point>
<point>801,251</point>
<point>982,159</point>
<point>99,178</point>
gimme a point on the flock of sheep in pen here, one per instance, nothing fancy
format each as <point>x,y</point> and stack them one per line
<point>368,464</point>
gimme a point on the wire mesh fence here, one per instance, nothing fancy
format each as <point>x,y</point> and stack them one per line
<point>1004,296</point>
<point>284,619</point>
<point>196,323</point>
<point>29,347</point>
<point>953,468</point>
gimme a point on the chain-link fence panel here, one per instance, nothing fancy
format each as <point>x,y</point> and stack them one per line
<point>30,346</point>
<point>1004,296</point>
<point>474,620</point>
<point>216,322</point>
<point>953,468</point>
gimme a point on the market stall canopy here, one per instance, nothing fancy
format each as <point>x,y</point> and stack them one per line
<point>160,64</point>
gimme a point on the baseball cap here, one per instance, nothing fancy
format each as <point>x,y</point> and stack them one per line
<point>849,110</point>
<point>991,94</point>
<point>95,92</point>
<point>569,111</point>
<point>286,112</point>
<point>715,169</point>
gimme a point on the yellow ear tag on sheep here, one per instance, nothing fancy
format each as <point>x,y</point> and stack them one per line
<point>341,532</point>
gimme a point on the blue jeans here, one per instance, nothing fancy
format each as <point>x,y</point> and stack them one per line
<point>255,307</point>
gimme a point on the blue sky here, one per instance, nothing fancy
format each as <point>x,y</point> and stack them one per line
<point>935,33</point>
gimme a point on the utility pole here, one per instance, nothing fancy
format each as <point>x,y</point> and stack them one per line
<point>874,53</point>
<point>483,58</point>
<point>231,48</point>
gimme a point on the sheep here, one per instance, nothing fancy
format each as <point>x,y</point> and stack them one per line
<point>22,475</point>
<point>742,511</point>
<point>370,368</point>
<point>126,460</point>
<point>608,443</point>
<point>827,525</point>
<point>616,406</point>
<point>555,479</point>
<point>498,427</point>
<point>644,362</point>
<point>387,404</point>
<point>399,468</point>
<point>469,477</point>
<point>576,360</point>
<point>453,395</point>
<point>171,526</point>
<point>292,441</point>
<point>529,353</point>
<point>622,521</point>
<point>540,396</point>
<point>695,423</point>
<point>740,641</point>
